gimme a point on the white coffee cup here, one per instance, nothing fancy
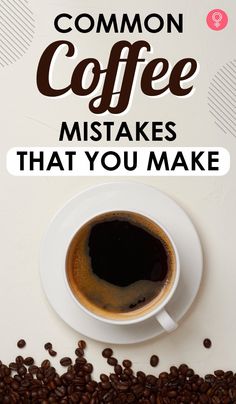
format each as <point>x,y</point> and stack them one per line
<point>159,311</point>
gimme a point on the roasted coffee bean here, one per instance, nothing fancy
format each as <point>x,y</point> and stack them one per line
<point>33,369</point>
<point>137,389</point>
<point>79,352</point>
<point>22,370</point>
<point>189,373</point>
<point>48,346</point>
<point>107,352</point>
<point>106,385</point>
<point>219,373</point>
<point>207,343</point>
<point>28,361</point>
<point>216,400</point>
<point>82,344</point>
<point>123,386</point>
<point>204,387</point>
<point>15,385</point>
<point>210,378</point>
<point>203,399</point>
<point>114,378</point>
<point>84,399</point>
<point>52,352</point>
<point>13,366</point>
<point>19,360</point>
<point>127,363</point>
<point>17,378</point>
<point>60,391</point>
<point>104,378</point>
<point>45,364</point>
<point>124,377</point>
<point>172,394</point>
<point>183,369</point>
<point>151,380</point>
<point>174,371</point>
<point>80,361</point>
<point>141,375</point>
<point>88,368</point>
<point>21,343</point>
<point>154,360</point>
<point>39,375</point>
<point>66,361</point>
<point>118,369</point>
<point>112,361</point>
<point>163,375</point>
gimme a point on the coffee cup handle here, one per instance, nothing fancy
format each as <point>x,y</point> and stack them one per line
<point>166,321</point>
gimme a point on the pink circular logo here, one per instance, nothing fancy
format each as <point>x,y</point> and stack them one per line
<point>217,19</point>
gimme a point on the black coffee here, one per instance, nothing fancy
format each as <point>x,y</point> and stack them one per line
<point>122,253</point>
<point>120,264</point>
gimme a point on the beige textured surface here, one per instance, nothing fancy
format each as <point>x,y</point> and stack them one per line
<point>27,204</point>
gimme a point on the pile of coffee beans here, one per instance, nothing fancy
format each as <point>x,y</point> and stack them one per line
<point>22,381</point>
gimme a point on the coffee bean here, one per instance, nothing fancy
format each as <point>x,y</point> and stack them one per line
<point>52,352</point>
<point>189,373</point>
<point>204,387</point>
<point>172,394</point>
<point>66,361</point>
<point>60,391</point>
<point>207,343</point>
<point>219,373</point>
<point>22,370</point>
<point>79,352</point>
<point>141,375</point>
<point>118,369</point>
<point>203,399</point>
<point>21,343</point>
<point>114,378</point>
<point>216,400</point>
<point>19,360</point>
<point>18,378</point>
<point>84,400</point>
<point>104,378</point>
<point>28,361</point>
<point>45,364</point>
<point>107,353</point>
<point>82,344</point>
<point>88,368</point>
<point>154,360</point>
<point>112,361</point>
<point>33,369</point>
<point>127,363</point>
<point>15,385</point>
<point>174,371</point>
<point>123,386</point>
<point>80,361</point>
<point>48,346</point>
<point>163,375</point>
<point>183,369</point>
<point>13,366</point>
<point>106,385</point>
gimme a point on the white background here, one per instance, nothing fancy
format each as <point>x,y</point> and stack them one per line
<point>27,204</point>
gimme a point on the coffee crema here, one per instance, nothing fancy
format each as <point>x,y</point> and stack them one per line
<point>120,265</point>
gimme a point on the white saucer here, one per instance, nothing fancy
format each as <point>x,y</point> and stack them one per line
<point>119,196</point>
